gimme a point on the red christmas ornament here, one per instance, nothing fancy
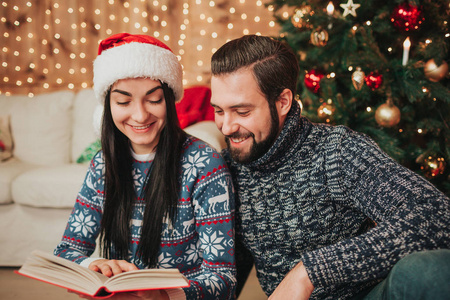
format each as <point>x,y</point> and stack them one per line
<point>407,17</point>
<point>374,80</point>
<point>312,80</point>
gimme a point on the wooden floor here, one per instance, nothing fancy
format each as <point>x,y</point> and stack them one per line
<point>17,287</point>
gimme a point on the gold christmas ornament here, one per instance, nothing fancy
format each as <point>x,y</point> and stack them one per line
<point>319,37</point>
<point>300,18</point>
<point>434,72</point>
<point>358,78</point>
<point>432,166</point>
<point>326,111</point>
<point>387,114</point>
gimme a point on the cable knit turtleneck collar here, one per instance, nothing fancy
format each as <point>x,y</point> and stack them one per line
<point>292,135</point>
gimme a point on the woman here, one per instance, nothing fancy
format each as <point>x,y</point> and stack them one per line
<point>154,196</point>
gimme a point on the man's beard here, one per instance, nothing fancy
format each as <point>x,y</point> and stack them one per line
<point>257,150</point>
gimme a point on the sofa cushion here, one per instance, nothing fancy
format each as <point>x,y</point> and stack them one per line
<point>208,132</point>
<point>40,126</point>
<point>9,170</point>
<point>6,142</point>
<point>83,133</point>
<point>56,186</point>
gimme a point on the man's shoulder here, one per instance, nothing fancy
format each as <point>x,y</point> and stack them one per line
<point>331,135</point>
<point>330,131</point>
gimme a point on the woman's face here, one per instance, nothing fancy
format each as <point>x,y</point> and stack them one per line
<point>138,109</point>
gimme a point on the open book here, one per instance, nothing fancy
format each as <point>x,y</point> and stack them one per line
<point>64,273</point>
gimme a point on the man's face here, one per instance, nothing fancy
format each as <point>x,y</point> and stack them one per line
<point>243,115</point>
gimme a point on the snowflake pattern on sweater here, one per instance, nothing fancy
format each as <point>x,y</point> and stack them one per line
<point>201,241</point>
<point>307,198</point>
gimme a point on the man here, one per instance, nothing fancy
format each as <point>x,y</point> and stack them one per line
<point>322,212</point>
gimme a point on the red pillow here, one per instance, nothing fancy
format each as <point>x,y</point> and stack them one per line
<point>195,106</point>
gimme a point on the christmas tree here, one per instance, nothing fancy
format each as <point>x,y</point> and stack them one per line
<point>380,68</point>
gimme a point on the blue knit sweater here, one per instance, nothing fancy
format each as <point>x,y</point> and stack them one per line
<point>201,241</point>
<point>308,197</point>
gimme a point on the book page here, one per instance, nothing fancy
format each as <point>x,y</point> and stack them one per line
<point>147,279</point>
<point>62,272</point>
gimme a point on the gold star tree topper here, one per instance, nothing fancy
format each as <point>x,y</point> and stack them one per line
<point>350,8</point>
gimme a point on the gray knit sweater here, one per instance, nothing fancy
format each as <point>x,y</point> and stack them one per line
<point>308,197</point>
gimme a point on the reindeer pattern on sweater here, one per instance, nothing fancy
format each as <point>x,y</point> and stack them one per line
<point>200,243</point>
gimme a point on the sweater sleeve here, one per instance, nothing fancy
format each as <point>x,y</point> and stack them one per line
<point>213,200</point>
<point>410,213</point>
<point>79,238</point>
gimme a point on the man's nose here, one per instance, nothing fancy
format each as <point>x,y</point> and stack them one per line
<point>229,125</point>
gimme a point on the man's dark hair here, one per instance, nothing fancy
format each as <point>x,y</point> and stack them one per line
<point>274,65</point>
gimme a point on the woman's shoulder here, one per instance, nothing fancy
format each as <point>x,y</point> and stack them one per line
<point>200,161</point>
<point>196,150</point>
<point>193,143</point>
<point>98,157</point>
<point>98,161</point>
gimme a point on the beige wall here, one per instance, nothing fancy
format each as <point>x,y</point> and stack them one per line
<point>49,45</point>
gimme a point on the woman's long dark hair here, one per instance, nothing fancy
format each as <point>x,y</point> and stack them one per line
<point>160,192</point>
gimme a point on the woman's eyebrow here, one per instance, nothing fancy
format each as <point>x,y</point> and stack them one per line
<point>121,92</point>
<point>153,89</point>
<point>129,94</point>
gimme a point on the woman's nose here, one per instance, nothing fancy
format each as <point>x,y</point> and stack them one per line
<point>140,113</point>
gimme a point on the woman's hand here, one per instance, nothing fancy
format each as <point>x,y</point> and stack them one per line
<point>143,295</point>
<point>111,267</point>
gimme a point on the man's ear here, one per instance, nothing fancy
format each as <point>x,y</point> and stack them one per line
<point>284,103</point>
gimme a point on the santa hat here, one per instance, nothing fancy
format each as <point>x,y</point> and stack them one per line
<point>126,55</point>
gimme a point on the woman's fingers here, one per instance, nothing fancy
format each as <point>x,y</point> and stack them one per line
<point>126,266</point>
<point>111,267</point>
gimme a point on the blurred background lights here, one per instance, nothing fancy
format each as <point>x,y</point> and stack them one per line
<point>52,47</point>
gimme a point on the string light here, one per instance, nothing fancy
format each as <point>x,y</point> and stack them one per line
<point>64,58</point>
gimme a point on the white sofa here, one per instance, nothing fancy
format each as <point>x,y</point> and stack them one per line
<point>38,186</point>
